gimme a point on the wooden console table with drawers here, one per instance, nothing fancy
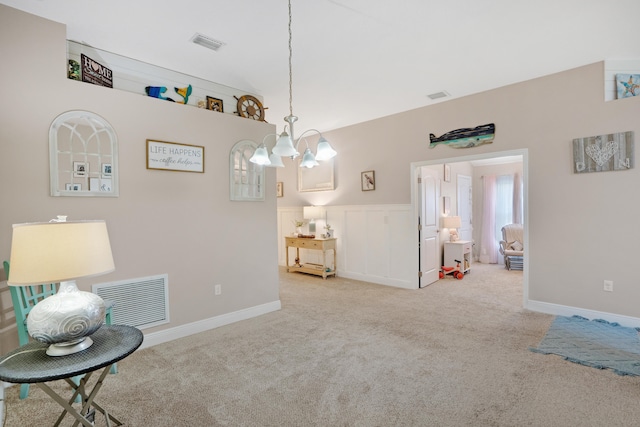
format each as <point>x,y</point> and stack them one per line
<point>323,245</point>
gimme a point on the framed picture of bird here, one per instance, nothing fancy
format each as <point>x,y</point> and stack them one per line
<point>368,180</point>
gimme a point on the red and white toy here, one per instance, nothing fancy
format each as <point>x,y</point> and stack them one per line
<point>456,272</point>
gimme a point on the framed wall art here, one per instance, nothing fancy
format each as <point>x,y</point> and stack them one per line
<point>279,189</point>
<point>368,180</point>
<point>611,152</point>
<point>173,156</point>
<point>447,173</point>
<point>246,179</point>
<point>215,104</point>
<point>318,178</point>
<point>83,156</point>
<point>627,85</point>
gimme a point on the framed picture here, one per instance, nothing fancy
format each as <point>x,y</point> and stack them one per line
<point>214,104</point>
<point>80,169</point>
<point>106,170</point>
<point>627,85</point>
<point>279,189</point>
<point>174,157</point>
<point>368,180</point>
<point>99,184</point>
<point>446,205</point>
<point>319,178</point>
<point>447,173</point>
<point>73,187</point>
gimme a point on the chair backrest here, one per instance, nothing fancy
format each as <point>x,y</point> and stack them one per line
<point>513,233</point>
<point>24,298</point>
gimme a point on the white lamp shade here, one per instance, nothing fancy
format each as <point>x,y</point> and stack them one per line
<point>451,222</point>
<point>260,156</point>
<point>312,212</point>
<point>284,147</point>
<point>324,151</point>
<point>308,159</point>
<point>276,161</point>
<point>59,251</point>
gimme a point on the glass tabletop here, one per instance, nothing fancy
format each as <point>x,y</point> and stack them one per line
<point>30,363</point>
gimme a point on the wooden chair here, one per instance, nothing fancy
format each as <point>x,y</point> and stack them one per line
<point>24,298</point>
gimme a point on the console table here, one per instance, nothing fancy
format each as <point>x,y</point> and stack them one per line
<point>323,245</point>
<point>30,364</point>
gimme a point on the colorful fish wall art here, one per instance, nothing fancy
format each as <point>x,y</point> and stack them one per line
<point>466,137</point>
<point>159,91</point>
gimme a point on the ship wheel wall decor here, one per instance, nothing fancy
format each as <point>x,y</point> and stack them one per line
<point>250,107</point>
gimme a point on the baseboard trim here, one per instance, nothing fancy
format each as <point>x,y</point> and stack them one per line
<point>564,310</point>
<point>378,280</point>
<point>182,331</point>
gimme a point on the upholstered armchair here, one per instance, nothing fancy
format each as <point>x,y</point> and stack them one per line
<point>512,245</point>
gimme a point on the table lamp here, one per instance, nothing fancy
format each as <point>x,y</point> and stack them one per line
<point>452,223</point>
<point>60,251</point>
<point>312,213</point>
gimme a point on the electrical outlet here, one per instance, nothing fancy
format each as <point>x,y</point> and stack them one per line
<point>608,285</point>
<point>218,289</point>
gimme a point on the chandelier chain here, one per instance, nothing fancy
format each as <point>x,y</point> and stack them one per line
<point>290,67</point>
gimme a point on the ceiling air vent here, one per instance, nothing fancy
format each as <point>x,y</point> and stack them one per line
<point>437,95</point>
<point>207,42</point>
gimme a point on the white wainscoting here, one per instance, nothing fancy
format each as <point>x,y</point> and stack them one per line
<point>376,243</point>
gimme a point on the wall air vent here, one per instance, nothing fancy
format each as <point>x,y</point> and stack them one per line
<point>207,42</point>
<point>437,95</point>
<point>141,302</point>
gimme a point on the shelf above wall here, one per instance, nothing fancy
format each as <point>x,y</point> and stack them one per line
<point>613,67</point>
<point>134,76</point>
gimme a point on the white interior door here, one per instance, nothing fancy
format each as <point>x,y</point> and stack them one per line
<point>464,202</point>
<point>429,241</point>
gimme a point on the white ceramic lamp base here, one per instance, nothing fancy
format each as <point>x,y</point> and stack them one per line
<point>66,319</point>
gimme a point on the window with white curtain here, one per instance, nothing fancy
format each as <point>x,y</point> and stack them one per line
<point>502,204</point>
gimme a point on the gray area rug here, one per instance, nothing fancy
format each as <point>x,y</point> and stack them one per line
<point>596,343</point>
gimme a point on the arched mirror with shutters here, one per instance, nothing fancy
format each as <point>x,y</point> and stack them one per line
<point>83,156</point>
<point>246,179</point>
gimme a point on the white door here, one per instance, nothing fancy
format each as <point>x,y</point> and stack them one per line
<point>429,241</point>
<point>464,202</point>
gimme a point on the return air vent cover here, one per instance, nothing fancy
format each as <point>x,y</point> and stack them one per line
<point>141,302</point>
<point>437,95</point>
<point>207,42</point>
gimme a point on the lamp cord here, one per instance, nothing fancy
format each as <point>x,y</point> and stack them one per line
<point>22,352</point>
<point>290,68</point>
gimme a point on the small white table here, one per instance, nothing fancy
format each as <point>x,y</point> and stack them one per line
<point>459,250</point>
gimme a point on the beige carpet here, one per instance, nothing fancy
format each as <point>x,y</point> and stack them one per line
<point>348,353</point>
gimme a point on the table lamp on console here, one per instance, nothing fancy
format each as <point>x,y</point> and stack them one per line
<point>312,213</point>
<point>452,223</point>
<point>61,251</point>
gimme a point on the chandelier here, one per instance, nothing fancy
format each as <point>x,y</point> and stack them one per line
<point>287,144</point>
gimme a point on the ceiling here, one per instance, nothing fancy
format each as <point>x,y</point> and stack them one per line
<point>355,60</point>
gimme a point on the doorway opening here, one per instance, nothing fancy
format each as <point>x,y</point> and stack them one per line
<point>451,195</point>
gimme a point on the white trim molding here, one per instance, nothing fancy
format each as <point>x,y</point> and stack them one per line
<point>182,331</point>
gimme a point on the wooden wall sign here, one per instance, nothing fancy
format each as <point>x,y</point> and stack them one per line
<point>95,73</point>
<point>611,152</point>
<point>174,157</point>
